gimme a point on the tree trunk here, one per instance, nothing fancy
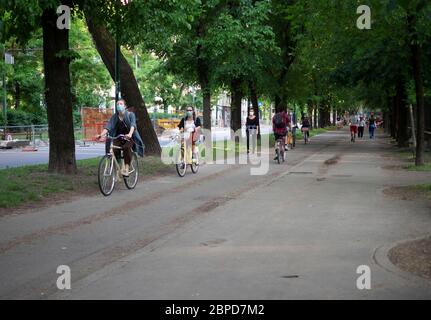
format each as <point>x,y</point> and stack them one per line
<point>420,104</point>
<point>278,102</point>
<point>403,116</point>
<point>324,116</point>
<point>57,95</point>
<point>105,45</point>
<point>17,95</point>
<point>235,105</point>
<point>255,103</point>
<point>315,111</point>
<point>394,118</point>
<point>206,92</point>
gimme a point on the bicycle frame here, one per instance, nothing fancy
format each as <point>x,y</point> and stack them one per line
<point>186,155</point>
<point>114,161</point>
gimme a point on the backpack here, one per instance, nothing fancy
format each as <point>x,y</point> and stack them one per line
<point>279,121</point>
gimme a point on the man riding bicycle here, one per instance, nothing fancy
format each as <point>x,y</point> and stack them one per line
<point>123,122</point>
<point>306,124</point>
<point>280,125</point>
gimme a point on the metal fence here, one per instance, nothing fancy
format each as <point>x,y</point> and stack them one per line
<point>36,135</point>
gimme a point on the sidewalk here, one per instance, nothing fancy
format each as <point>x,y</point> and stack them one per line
<point>299,232</point>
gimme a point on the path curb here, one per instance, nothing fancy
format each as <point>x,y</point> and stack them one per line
<point>380,257</point>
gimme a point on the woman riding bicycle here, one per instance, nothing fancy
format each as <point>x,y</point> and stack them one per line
<point>123,122</point>
<point>192,124</point>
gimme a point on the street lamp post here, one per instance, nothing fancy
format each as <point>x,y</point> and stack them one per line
<point>8,59</point>
<point>117,59</point>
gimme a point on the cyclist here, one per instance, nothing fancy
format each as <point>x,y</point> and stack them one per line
<point>123,122</point>
<point>306,124</point>
<point>191,123</point>
<point>280,125</point>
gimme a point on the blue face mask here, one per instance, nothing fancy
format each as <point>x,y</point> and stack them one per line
<point>121,107</point>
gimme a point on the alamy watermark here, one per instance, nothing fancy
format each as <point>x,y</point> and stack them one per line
<point>364,280</point>
<point>64,280</point>
<point>63,20</point>
<point>364,20</point>
<point>218,153</point>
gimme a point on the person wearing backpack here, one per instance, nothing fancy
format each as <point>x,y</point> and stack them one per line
<point>280,123</point>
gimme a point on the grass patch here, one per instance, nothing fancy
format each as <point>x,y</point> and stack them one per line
<point>426,188</point>
<point>25,185</point>
<point>425,168</point>
<point>409,157</point>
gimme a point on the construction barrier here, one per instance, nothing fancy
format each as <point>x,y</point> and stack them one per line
<point>168,123</point>
<point>93,122</point>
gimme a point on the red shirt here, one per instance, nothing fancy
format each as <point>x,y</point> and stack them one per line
<point>286,120</point>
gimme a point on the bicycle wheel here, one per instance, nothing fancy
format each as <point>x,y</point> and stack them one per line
<point>106,175</point>
<point>132,179</point>
<point>195,165</point>
<point>181,164</point>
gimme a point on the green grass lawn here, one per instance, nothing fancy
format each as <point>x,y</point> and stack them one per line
<point>29,184</point>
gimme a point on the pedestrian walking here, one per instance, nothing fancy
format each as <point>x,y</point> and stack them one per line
<point>353,122</point>
<point>252,127</point>
<point>361,127</point>
<point>372,126</point>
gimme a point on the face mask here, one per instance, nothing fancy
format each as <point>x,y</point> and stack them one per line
<point>121,107</point>
<point>189,113</point>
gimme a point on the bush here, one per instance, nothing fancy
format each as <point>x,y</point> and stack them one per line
<point>24,118</point>
<point>162,115</point>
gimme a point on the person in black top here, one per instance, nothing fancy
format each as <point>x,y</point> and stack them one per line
<point>252,127</point>
<point>123,122</point>
<point>306,124</point>
<point>191,123</point>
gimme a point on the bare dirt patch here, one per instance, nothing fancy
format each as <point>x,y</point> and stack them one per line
<point>332,161</point>
<point>409,193</point>
<point>413,256</point>
<point>393,167</point>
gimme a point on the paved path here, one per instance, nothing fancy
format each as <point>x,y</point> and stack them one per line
<point>298,232</point>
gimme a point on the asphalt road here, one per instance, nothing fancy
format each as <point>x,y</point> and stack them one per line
<point>10,158</point>
<point>298,232</point>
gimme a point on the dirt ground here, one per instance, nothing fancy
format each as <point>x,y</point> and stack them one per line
<point>413,256</point>
<point>410,193</point>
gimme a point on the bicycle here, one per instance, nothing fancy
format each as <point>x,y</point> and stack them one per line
<point>306,132</point>
<point>110,168</point>
<point>279,150</point>
<point>185,157</point>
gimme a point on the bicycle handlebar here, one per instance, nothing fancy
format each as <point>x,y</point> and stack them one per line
<point>115,138</point>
